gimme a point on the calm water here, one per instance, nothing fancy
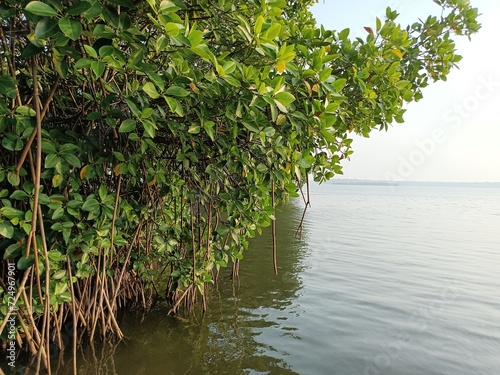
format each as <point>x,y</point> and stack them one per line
<point>401,280</point>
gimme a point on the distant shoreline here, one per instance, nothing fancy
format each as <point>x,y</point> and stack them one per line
<point>416,183</point>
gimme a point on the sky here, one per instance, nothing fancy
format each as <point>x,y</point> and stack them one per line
<point>453,133</point>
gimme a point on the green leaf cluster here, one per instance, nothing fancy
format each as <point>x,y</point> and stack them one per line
<point>164,125</point>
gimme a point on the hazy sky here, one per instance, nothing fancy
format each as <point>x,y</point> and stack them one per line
<point>453,134</point>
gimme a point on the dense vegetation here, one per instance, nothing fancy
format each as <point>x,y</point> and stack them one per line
<point>149,141</point>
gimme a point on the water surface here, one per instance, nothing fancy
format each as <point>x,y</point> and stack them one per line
<point>386,280</point>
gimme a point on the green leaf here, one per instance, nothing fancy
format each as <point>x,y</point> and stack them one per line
<point>103,31</point>
<point>174,105</point>
<point>136,57</point>
<point>44,199</point>
<point>26,111</point>
<point>12,252</point>
<point>172,29</point>
<point>64,297</point>
<point>68,148</point>
<point>194,129</point>
<point>75,204</point>
<point>51,160</point>
<point>204,52</point>
<point>127,126</point>
<point>13,178</point>
<point>232,81</point>
<point>339,84</point>
<point>106,51</point>
<point>149,128</point>
<point>57,226</point>
<point>78,8</point>
<point>7,86</point>
<point>222,230</point>
<point>177,91</point>
<point>124,21</point>
<point>269,131</point>
<point>92,116</point>
<point>250,126</point>
<point>6,229</point>
<point>344,34</point>
<point>55,255</point>
<point>70,27</point>
<point>11,213</point>
<point>6,12</point>
<point>61,67</point>
<point>303,163</point>
<point>209,128</point>
<point>262,167</point>
<point>195,37</point>
<point>25,263</point>
<point>48,146</point>
<point>157,80</point>
<point>98,67</point>
<point>90,51</point>
<point>125,3</point>
<point>31,50</point>
<point>58,212</point>
<point>83,63</point>
<point>168,6</point>
<point>403,84</point>
<point>150,89</point>
<point>328,136</point>
<point>325,74</point>
<point>41,9</point>
<point>147,112</point>
<point>91,204</point>
<point>58,274</point>
<point>46,28</point>
<point>258,24</point>
<point>73,160</point>
<point>284,98</point>
<point>12,142</point>
<point>133,107</point>
<point>19,195</point>
<point>119,155</point>
<point>103,192</point>
<point>57,180</point>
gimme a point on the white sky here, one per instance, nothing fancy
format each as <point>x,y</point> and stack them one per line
<point>453,134</point>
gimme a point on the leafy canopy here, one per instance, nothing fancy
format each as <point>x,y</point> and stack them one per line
<point>160,135</point>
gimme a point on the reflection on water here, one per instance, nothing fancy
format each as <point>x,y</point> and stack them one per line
<point>242,331</point>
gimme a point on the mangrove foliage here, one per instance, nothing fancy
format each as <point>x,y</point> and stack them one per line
<point>143,143</point>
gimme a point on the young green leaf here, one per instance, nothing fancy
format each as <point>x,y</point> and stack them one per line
<point>41,9</point>
<point>26,111</point>
<point>97,67</point>
<point>79,8</point>
<point>127,126</point>
<point>46,28</point>
<point>339,84</point>
<point>7,86</point>
<point>177,91</point>
<point>90,204</point>
<point>13,251</point>
<point>70,27</point>
<point>6,229</point>
<point>73,160</point>
<point>284,98</point>
<point>150,89</point>
<point>25,263</point>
